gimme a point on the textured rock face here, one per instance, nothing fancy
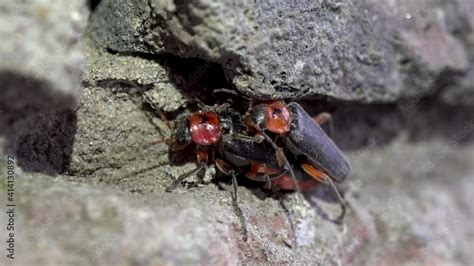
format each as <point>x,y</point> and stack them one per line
<point>402,213</point>
<point>90,182</point>
<point>41,59</point>
<point>369,50</point>
<point>41,64</point>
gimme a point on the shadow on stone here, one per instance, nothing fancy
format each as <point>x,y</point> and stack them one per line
<point>361,126</point>
<point>24,95</point>
<point>45,142</point>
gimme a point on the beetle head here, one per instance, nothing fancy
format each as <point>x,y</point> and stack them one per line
<point>181,136</point>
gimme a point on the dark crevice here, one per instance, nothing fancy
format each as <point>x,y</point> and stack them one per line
<point>93,4</point>
<point>196,77</point>
<point>360,125</point>
<point>45,142</point>
<point>357,125</point>
<point>38,129</point>
<point>122,85</point>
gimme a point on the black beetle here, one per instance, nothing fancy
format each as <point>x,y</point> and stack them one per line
<point>302,136</point>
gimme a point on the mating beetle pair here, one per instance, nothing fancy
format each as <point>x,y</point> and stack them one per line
<point>257,144</point>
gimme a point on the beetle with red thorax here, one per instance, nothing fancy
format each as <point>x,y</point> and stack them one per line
<point>203,129</point>
<point>219,137</point>
<point>300,134</point>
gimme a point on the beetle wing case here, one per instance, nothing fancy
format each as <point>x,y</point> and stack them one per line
<point>307,138</point>
<point>240,152</point>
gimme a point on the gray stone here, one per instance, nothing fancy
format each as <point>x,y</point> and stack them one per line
<point>139,74</point>
<point>117,129</point>
<point>41,64</point>
<point>424,217</point>
<point>114,132</point>
<point>462,91</point>
<point>90,183</point>
<point>368,51</point>
<point>43,143</point>
<point>41,57</point>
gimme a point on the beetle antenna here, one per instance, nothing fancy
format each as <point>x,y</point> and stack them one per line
<point>168,141</point>
<point>143,170</point>
<point>163,117</point>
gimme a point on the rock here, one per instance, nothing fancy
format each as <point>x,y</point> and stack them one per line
<point>462,91</point>
<point>126,29</point>
<point>115,132</point>
<point>423,237</point>
<point>117,129</point>
<point>44,141</point>
<point>41,64</point>
<point>101,223</point>
<point>107,225</point>
<point>41,55</point>
<point>368,51</point>
<point>144,75</point>
<point>98,174</point>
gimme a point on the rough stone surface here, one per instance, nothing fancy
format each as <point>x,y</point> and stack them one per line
<point>90,182</point>
<point>41,59</point>
<point>462,92</point>
<point>41,66</point>
<point>138,74</point>
<point>368,51</point>
<point>424,218</point>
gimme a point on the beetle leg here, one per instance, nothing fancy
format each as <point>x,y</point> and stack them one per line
<point>268,183</point>
<point>249,109</point>
<point>268,179</point>
<point>180,179</point>
<point>235,201</point>
<point>340,198</point>
<point>282,158</point>
<point>202,154</point>
<point>323,118</point>
<point>223,167</point>
<point>325,179</point>
<point>291,221</point>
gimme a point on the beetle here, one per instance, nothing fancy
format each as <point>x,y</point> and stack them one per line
<point>219,138</point>
<point>257,161</point>
<point>218,131</point>
<point>252,157</point>
<point>303,137</point>
<point>204,129</point>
